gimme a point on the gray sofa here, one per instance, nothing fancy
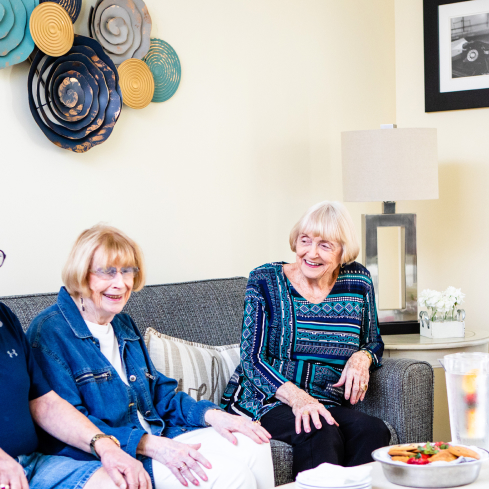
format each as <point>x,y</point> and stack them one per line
<point>210,312</point>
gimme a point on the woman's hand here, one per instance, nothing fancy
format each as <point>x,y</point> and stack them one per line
<point>184,461</point>
<point>226,424</point>
<point>304,407</point>
<point>355,377</point>
<point>124,470</point>
<point>11,473</point>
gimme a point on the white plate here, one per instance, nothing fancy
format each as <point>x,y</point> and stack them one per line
<point>364,485</point>
<point>301,485</point>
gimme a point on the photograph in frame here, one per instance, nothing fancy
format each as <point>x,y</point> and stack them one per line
<point>456,36</point>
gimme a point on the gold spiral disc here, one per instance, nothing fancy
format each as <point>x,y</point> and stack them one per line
<point>137,83</point>
<point>51,29</point>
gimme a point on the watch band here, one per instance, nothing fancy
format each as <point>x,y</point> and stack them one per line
<point>97,437</point>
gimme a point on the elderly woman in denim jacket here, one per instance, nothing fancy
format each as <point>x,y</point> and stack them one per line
<point>95,358</point>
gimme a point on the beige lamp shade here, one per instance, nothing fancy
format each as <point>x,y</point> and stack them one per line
<point>389,165</point>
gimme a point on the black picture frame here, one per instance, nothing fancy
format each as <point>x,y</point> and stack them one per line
<point>436,101</point>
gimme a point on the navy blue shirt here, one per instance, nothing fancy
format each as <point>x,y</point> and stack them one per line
<point>21,381</point>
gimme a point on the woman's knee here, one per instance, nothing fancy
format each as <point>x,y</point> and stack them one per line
<point>252,451</point>
<point>258,459</point>
<point>375,429</point>
<point>383,432</point>
<point>230,473</point>
<point>100,479</point>
<point>327,435</point>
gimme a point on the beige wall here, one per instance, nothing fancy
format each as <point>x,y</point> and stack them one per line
<point>210,182</point>
<point>453,231</point>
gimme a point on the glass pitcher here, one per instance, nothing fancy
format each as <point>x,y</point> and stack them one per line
<point>467,376</point>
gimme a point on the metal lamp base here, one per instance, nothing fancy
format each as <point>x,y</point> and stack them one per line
<point>405,319</point>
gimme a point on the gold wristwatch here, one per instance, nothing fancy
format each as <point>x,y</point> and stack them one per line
<point>97,437</point>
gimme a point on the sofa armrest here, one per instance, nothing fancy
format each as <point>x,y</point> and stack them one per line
<point>401,393</point>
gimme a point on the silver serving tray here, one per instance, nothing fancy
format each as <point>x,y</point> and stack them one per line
<point>448,475</point>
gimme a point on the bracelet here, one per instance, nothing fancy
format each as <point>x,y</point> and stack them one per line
<point>213,409</point>
<point>369,355</point>
<point>97,437</point>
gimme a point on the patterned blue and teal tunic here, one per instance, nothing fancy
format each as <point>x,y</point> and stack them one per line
<point>287,338</point>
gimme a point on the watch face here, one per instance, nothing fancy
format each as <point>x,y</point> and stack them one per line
<point>97,437</point>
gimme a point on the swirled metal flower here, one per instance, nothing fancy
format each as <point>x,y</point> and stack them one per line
<point>16,43</point>
<point>122,27</point>
<point>73,7</point>
<point>75,98</point>
<point>165,66</point>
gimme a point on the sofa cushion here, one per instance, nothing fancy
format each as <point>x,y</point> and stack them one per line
<point>207,311</point>
<point>202,371</point>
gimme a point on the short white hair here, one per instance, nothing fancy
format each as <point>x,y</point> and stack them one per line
<point>331,222</point>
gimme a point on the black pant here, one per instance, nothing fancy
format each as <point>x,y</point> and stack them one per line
<point>357,436</point>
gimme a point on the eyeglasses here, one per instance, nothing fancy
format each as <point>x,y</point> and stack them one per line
<point>2,257</point>
<point>110,273</point>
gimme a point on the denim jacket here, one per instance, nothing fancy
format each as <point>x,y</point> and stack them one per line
<point>78,371</point>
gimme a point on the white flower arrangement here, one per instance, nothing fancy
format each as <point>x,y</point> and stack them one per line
<point>442,303</point>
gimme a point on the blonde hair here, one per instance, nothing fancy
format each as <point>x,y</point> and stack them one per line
<point>117,249</point>
<point>331,222</point>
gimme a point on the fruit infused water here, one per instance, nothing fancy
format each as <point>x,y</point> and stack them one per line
<point>467,376</point>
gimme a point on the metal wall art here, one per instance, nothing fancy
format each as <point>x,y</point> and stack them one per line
<point>72,7</point>
<point>123,27</point>
<point>52,29</point>
<point>137,83</point>
<point>75,99</point>
<point>75,94</point>
<point>165,67</point>
<point>16,43</point>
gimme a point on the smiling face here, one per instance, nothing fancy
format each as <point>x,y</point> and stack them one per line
<point>317,258</point>
<point>108,297</point>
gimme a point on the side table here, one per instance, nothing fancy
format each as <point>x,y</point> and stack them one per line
<point>380,482</point>
<point>430,350</point>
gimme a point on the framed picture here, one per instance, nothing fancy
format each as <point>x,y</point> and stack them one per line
<point>456,54</point>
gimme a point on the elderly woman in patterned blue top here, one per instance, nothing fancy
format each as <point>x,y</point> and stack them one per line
<point>309,339</point>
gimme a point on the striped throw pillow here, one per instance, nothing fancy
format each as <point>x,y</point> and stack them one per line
<point>202,371</point>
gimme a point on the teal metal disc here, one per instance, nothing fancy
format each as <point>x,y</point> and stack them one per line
<point>16,42</point>
<point>165,67</point>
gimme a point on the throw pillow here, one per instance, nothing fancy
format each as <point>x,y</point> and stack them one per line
<point>202,371</point>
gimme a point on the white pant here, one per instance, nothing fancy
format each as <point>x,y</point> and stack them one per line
<point>246,465</point>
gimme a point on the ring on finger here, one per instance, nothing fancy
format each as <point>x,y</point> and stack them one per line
<point>257,422</point>
<point>305,413</point>
<point>364,387</point>
<point>4,486</point>
<point>182,467</point>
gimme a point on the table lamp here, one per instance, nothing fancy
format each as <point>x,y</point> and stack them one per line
<point>387,165</point>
